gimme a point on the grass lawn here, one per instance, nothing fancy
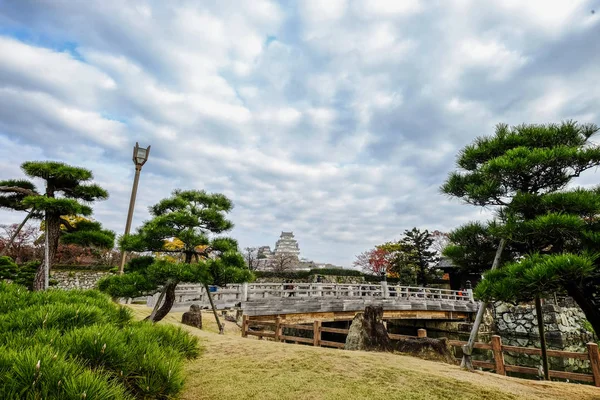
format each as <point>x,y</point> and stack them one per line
<point>232,367</point>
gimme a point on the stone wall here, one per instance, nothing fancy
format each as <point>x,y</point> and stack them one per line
<point>562,324</point>
<point>77,279</point>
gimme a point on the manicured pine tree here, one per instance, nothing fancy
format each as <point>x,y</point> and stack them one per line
<point>193,217</point>
<point>67,188</point>
<point>523,172</point>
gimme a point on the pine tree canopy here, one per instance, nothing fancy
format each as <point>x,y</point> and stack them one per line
<point>552,230</point>
<point>13,191</point>
<point>535,275</point>
<point>525,158</point>
<point>186,223</point>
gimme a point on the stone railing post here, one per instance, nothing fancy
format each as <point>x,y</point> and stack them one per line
<point>244,288</point>
<point>384,290</point>
<point>470,294</point>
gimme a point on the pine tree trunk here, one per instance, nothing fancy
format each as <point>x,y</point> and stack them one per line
<point>162,312</point>
<point>540,320</point>
<point>16,233</point>
<point>468,348</point>
<point>586,302</point>
<point>214,309</point>
<point>53,228</point>
<point>156,306</point>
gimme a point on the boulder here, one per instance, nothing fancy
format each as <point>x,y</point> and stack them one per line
<point>427,348</point>
<point>367,331</point>
<point>193,317</point>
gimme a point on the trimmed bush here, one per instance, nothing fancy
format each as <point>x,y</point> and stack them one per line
<point>85,344</point>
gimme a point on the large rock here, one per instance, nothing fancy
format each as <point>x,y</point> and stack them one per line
<point>427,348</point>
<point>367,331</point>
<point>193,317</point>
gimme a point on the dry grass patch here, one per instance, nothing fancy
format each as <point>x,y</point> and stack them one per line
<point>233,367</point>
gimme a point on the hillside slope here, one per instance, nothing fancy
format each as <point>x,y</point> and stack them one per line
<point>232,367</point>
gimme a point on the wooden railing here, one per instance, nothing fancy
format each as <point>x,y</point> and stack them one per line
<point>243,292</point>
<point>498,349</point>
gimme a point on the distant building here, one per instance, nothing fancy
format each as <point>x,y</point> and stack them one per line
<point>456,278</point>
<point>287,246</point>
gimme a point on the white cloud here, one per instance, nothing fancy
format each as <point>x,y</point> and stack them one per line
<point>336,119</point>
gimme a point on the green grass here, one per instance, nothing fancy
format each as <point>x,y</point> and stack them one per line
<point>231,367</point>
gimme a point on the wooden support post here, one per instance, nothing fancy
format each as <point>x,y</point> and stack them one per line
<point>542,332</point>
<point>498,355</point>
<point>421,333</point>
<point>278,329</point>
<point>244,325</point>
<point>317,333</point>
<point>594,361</point>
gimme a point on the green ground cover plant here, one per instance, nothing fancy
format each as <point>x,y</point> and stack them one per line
<point>79,344</point>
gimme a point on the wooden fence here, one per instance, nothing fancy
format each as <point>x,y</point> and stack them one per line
<point>498,349</point>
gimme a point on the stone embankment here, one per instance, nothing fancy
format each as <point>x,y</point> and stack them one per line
<point>77,279</point>
<point>562,324</point>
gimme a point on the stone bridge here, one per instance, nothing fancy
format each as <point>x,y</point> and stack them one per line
<point>299,302</point>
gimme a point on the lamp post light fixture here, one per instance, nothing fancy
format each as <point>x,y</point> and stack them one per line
<point>140,156</point>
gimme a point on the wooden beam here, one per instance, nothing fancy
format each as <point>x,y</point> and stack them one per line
<point>498,355</point>
<point>594,361</point>
<point>297,339</point>
<point>244,325</point>
<point>261,334</point>
<point>334,330</point>
<point>317,333</point>
<point>278,329</point>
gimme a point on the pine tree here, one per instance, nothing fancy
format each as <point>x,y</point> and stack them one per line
<point>524,172</point>
<point>193,217</point>
<point>417,245</point>
<point>67,188</point>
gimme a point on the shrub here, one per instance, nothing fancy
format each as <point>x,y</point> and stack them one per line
<point>85,344</point>
<point>40,372</point>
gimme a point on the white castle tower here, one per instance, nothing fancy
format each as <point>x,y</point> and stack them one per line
<point>287,245</point>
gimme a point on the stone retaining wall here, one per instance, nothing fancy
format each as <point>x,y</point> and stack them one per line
<point>77,279</point>
<point>562,324</point>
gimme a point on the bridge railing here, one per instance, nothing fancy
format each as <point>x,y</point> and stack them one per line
<point>235,293</point>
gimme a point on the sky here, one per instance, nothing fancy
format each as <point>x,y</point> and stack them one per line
<point>337,120</point>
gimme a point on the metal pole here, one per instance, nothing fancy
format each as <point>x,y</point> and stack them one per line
<point>46,255</point>
<point>138,169</point>
<point>468,348</point>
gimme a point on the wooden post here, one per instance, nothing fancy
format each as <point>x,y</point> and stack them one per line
<point>277,329</point>
<point>244,325</point>
<point>468,348</point>
<point>421,333</point>
<point>317,333</point>
<point>498,355</point>
<point>541,330</point>
<point>594,361</point>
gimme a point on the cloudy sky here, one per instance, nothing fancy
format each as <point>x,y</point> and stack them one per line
<point>336,119</point>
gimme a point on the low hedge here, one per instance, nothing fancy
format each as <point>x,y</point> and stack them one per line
<point>79,344</point>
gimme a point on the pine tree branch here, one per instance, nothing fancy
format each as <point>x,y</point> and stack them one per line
<point>17,189</point>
